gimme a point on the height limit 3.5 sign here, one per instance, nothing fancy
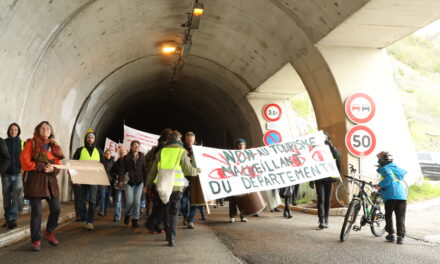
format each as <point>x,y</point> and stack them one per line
<point>360,141</point>
<point>272,112</point>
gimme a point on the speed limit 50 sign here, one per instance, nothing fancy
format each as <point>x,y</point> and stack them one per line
<point>360,141</point>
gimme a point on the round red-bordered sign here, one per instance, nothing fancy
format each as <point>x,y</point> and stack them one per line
<point>272,137</point>
<point>360,108</point>
<point>272,112</point>
<point>360,141</point>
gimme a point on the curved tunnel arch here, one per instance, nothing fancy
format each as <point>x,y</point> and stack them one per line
<point>68,48</point>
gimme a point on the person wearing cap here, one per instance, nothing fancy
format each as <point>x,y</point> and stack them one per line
<point>393,194</point>
<point>12,184</point>
<point>87,192</point>
<point>233,206</point>
<point>172,156</point>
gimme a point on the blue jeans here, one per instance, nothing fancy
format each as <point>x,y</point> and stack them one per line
<point>11,188</point>
<point>193,212</point>
<point>184,202</point>
<point>88,194</point>
<point>133,200</point>
<point>104,198</point>
<point>118,198</point>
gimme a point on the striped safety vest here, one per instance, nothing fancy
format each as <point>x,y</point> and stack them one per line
<point>85,155</point>
<point>170,159</point>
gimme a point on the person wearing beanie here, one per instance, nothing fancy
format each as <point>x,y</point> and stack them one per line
<point>86,192</point>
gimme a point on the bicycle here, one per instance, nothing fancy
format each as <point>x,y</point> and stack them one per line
<point>375,216</point>
<point>345,189</point>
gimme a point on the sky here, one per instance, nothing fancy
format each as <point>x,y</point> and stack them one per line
<point>429,29</point>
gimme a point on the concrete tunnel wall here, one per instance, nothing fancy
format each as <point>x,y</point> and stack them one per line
<point>73,62</point>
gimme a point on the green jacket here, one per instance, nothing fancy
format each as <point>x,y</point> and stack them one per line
<point>185,162</point>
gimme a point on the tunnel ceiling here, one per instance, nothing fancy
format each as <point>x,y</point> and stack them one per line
<point>71,48</point>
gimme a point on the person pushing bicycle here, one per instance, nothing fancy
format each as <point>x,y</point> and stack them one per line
<point>393,194</point>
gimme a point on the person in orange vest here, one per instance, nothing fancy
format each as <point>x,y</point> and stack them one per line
<point>87,192</point>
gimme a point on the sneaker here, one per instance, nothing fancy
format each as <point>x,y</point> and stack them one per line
<point>289,216</point>
<point>89,226</point>
<point>134,223</point>
<point>325,223</point>
<point>294,203</point>
<point>390,238</point>
<point>231,220</point>
<point>243,219</point>
<point>51,238</point>
<point>101,214</point>
<point>277,210</point>
<point>184,222</point>
<point>400,240</point>
<point>321,225</point>
<point>116,220</point>
<point>36,246</point>
<point>171,241</point>
<point>203,217</point>
<point>256,215</point>
<point>190,225</point>
<point>126,220</point>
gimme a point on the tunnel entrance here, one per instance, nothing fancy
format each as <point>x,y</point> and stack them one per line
<point>153,111</point>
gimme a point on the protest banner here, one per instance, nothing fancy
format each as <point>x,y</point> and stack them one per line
<point>232,172</point>
<point>147,140</point>
<point>85,172</point>
<point>113,147</point>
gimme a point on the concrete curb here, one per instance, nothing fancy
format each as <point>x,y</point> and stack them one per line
<point>23,232</point>
<point>311,209</point>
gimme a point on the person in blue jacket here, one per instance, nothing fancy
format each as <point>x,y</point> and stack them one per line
<point>393,194</point>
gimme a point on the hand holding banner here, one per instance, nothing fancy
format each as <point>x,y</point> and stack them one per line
<point>233,172</point>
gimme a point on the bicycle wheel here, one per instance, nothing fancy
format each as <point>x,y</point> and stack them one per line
<point>377,224</point>
<point>344,192</point>
<point>350,218</point>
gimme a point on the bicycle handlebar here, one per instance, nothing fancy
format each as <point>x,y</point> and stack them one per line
<point>353,178</point>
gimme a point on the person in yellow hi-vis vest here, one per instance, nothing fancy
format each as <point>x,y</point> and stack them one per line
<point>173,155</point>
<point>87,193</point>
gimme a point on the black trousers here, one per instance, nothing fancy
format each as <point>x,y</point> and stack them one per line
<point>295,192</point>
<point>155,219</point>
<point>52,222</point>
<point>399,208</point>
<point>233,207</point>
<point>324,194</point>
<point>287,202</point>
<point>171,214</point>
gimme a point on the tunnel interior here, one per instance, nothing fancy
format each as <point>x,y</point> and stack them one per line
<point>167,107</point>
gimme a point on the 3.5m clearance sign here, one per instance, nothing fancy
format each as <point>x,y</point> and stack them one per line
<point>233,172</point>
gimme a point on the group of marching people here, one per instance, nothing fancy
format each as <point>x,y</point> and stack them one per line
<point>30,168</point>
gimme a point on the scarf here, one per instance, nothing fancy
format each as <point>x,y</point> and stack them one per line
<point>39,152</point>
<point>175,142</point>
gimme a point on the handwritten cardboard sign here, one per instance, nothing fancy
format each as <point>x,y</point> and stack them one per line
<point>85,172</point>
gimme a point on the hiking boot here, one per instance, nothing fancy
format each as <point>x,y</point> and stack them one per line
<point>171,241</point>
<point>51,238</point>
<point>400,240</point>
<point>190,225</point>
<point>36,246</point>
<point>126,220</point>
<point>390,238</point>
<point>134,223</point>
<point>12,224</point>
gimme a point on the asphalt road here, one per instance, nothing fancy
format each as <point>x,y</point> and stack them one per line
<point>266,239</point>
